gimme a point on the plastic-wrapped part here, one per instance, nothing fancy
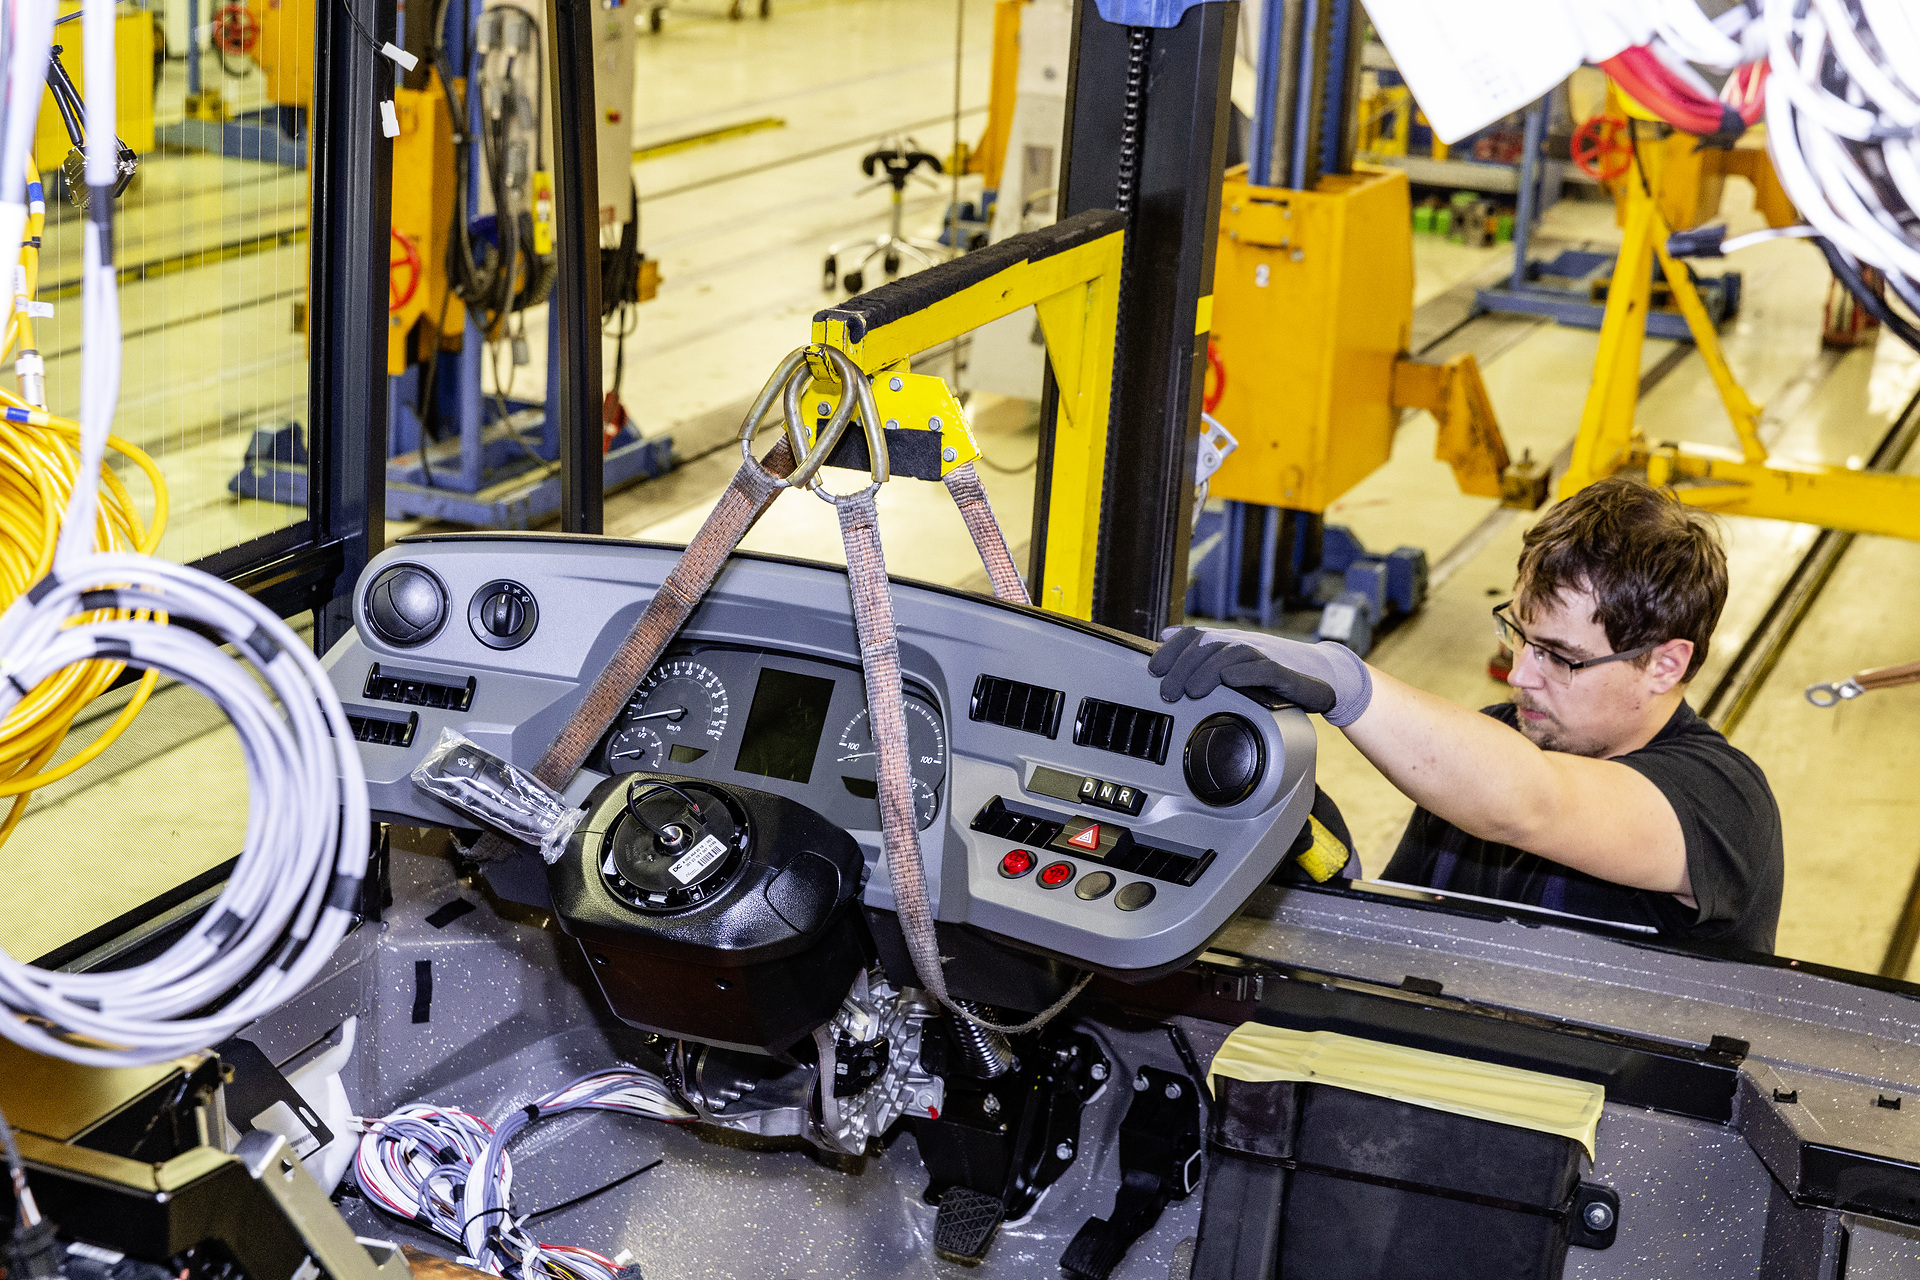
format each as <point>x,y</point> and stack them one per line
<point>503,796</point>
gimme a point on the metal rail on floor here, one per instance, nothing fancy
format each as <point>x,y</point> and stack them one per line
<point>1743,679</point>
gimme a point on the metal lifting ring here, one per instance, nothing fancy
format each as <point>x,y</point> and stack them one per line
<point>1831,695</point>
<point>789,383</point>
<point>859,391</point>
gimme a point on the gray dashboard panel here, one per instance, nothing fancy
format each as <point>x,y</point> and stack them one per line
<point>590,591</point>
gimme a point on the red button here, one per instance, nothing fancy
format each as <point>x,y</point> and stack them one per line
<point>1017,863</point>
<point>1055,874</point>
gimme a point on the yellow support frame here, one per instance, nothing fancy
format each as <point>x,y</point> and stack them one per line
<point>1075,291</point>
<point>1746,483</point>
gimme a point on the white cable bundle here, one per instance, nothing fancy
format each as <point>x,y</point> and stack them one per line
<point>449,1171</point>
<point>294,889</point>
<point>1843,107</point>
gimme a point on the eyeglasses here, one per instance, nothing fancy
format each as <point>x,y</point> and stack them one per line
<point>1559,668</point>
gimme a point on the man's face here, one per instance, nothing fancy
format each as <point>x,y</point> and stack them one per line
<point>1604,710</point>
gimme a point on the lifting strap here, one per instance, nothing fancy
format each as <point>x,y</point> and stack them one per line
<point>753,488</point>
<point>745,500</point>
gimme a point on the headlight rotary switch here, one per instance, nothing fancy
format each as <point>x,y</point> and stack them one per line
<point>503,614</point>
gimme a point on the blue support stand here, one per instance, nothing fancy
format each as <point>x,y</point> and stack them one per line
<point>1574,303</point>
<point>499,469</point>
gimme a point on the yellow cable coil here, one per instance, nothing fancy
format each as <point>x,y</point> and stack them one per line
<point>39,461</point>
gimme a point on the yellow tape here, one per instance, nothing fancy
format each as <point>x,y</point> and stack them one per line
<point>1203,316</point>
<point>1504,1095</point>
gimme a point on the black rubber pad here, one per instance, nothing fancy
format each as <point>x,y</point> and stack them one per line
<point>965,1224</point>
<point>922,289</point>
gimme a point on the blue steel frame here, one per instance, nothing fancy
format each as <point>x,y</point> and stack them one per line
<point>1522,295</point>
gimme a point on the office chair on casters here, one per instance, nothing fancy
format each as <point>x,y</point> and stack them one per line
<point>898,162</point>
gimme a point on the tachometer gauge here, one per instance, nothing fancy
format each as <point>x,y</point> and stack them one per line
<point>683,702</point>
<point>926,757</point>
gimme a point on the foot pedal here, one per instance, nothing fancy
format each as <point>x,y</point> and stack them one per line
<point>964,1227</point>
<point>1094,1252</point>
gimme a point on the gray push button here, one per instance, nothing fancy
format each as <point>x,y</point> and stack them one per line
<point>1094,886</point>
<point>1134,896</point>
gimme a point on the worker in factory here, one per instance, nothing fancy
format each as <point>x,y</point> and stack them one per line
<point>1595,790</point>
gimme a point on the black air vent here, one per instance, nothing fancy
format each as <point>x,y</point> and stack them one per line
<point>382,731</point>
<point>393,684</point>
<point>1127,731</point>
<point>996,819</point>
<point>1026,707</point>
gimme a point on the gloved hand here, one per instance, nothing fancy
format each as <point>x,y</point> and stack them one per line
<point>1327,678</point>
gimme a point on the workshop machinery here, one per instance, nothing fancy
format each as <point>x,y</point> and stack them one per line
<point>1743,481</point>
<point>277,38</point>
<point>1624,146</point>
<point>722,963</point>
<point>471,253</point>
<point>1312,315</point>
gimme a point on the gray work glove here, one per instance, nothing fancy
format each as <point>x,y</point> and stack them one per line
<point>1327,678</point>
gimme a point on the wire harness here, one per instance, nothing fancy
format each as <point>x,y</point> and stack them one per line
<point>449,1171</point>
<point>294,891</point>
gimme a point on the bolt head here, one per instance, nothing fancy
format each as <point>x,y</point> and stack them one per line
<point>1173,1090</point>
<point>1599,1216</point>
<point>1064,1151</point>
<point>894,384</point>
<point>990,1104</point>
<point>893,424</point>
<point>1140,1082</point>
<point>822,407</point>
<point>933,424</point>
<point>948,455</point>
<point>1098,1071</point>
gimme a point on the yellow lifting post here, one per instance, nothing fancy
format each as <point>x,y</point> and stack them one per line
<point>1745,482</point>
<point>1070,274</point>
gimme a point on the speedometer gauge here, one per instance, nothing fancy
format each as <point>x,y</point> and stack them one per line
<point>678,713</point>
<point>926,756</point>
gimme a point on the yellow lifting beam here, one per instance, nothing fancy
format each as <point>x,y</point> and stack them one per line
<point>1746,483</point>
<point>1070,274</point>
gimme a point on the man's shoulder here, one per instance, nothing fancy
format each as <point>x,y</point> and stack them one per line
<point>1687,736</point>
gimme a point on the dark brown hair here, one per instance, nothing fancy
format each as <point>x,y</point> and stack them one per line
<point>1655,569</point>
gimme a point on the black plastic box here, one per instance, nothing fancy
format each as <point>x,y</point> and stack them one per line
<point>1314,1182</point>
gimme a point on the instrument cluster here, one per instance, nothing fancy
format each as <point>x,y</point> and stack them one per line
<point>791,725</point>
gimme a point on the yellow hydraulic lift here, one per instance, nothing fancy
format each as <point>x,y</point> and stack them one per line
<point>1734,482</point>
<point>1070,274</point>
<point>1312,315</point>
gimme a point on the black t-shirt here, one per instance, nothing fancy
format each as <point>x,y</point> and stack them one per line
<point>1726,812</point>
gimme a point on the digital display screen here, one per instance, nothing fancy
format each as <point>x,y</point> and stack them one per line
<point>784,723</point>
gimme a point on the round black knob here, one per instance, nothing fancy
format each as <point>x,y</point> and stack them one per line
<point>1225,759</point>
<point>406,605</point>
<point>503,614</point>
